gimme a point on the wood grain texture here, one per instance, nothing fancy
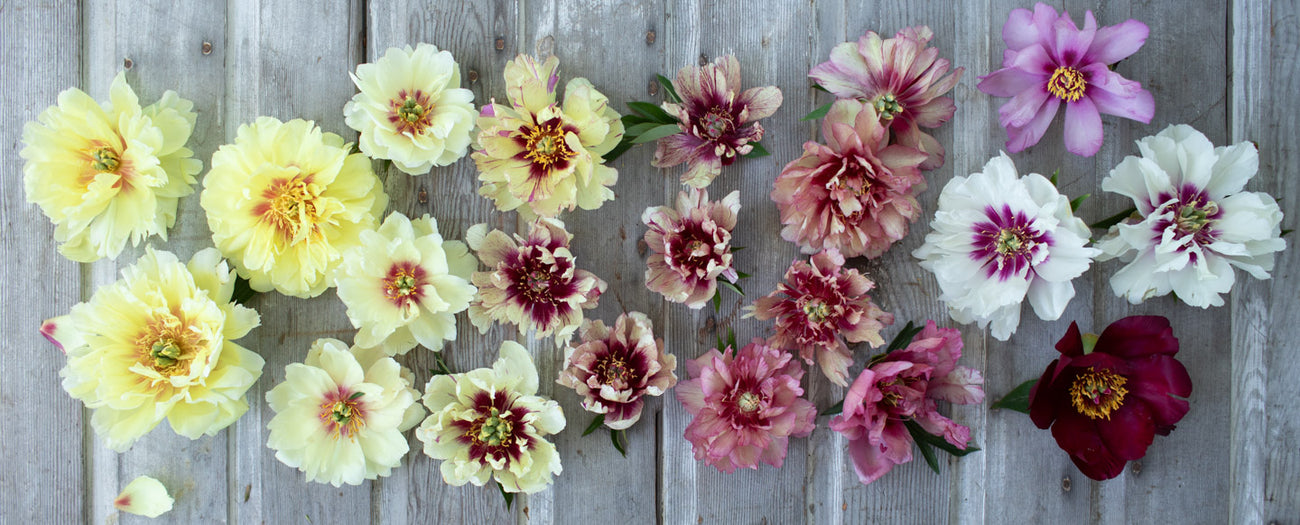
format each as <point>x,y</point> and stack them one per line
<point>1228,69</point>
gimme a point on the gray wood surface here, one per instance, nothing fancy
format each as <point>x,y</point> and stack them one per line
<point>1228,68</point>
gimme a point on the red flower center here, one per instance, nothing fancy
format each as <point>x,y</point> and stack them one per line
<point>1067,84</point>
<point>1097,393</point>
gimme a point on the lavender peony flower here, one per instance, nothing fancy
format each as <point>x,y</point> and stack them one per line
<point>746,405</point>
<point>1049,61</point>
<point>856,193</point>
<point>718,121</point>
<point>613,371</point>
<point>691,246</point>
<point>902,79</point>
<point>818,307</point>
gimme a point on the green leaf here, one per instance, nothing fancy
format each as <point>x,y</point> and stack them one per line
<point>1074,204</point>
<point>735,249</point>
<point>833,409</point>
<point>721,345</point>
<point>243,292</point>
<point>758,151</point>
<point>657,133</point>
<point>1117,218</point>
<point>741,275</point>
<point>669,89</point>
<point>440,366</point>
<point>820,112</point>
<point>356,395</point>
<point>819,87</point>
<point>1017,399</point>
<point>927,452</point>
<point>630,120</point>
<point>1055,175</point>
<point>1285,231</point>
<point>508,496</point>
<point>617,437</point>
<point>731,338</point>
<point>731,286</point>
<point>904,337</point>
<point>717,302</point>
<point>637,129</point>
<point>619,150</point>
<point>652,113</point>
<point>919,435</point>
<point>595,424</point>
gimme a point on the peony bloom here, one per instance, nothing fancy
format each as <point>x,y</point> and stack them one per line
<point>533,283</point>
<point>489,422</point>
<point>106,175</point>
<point>904,386</point>
<point>159,343</point>
<point>999,238</point>
<point>746,405</point>
<point>144,496</point>
<point>1050,61</point>
<point>857,193</point>
<point>411,109</point>
<point>404,284</point>
<point>818,307</point>
<point>614,370</point>
<point>339,419</point>
<point>691,246</point>
<point>542,157</point>
<point>286,200</point>
<point>1107,397</point>
<point>1194,223</point>
<point>902,79</point>
<point>718,121</point>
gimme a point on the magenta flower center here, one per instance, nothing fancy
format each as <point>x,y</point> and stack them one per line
<point>342,413</point>
<point>1007,242</point>
<point>410,112</point>
<point>1097,393</point>
<point>402,284</point>
<point>887,105</point>
<point>748,402</point>
<point>1067,84</point>
<point>716,123</point>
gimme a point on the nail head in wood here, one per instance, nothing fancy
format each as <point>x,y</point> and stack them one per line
<point>501,43</point>
<point>127,63</point>
<point>1065,484</point>
<point>207,48</point>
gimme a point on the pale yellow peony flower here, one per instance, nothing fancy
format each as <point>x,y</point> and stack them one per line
<point>489,422</point>
<point>285,200</point>
<point>156,344</point>
<point>340,414</point>
<point>411,109</point>
<point>144,496</point>
<point>106,175</point>
<point>404,285</point>
<point>541,157</point>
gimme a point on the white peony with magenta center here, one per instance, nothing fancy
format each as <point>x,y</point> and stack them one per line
<point>1193,223</point>
<point>999,238</point>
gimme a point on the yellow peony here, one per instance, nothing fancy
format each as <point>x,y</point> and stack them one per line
<point>285,200</point>
<point>405,284</point>
<point>411,109</point>
<point>341,413</point>
<point>541,157</point>
<point>156,344</point>
<point>106,175</point>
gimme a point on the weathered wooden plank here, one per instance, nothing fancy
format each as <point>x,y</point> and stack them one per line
<point>43,472</point>
<point>289,60</point>
<point>470,31</point>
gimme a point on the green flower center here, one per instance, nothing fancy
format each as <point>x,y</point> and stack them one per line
<point>887,106</point>
<point>1010,241</point>
<point>816,311</point>
<point>1193,217</point>
<point>495,430</point>
<point>105,160</point>
<point>411,111</point>
<point>165,353</point>
<point>748,402</point>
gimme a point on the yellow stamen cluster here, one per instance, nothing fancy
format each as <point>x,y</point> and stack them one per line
<point>546,146</point>
<point>1067,84</point>
<point>1097,393</point>
<point>292,206</point>
<point>401,285</point>
<point>343,417</point>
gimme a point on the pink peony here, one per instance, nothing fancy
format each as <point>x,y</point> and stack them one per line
<point>903,387</point>
<point>746,405</point>
<point>691,246</point>
<point>614,370</point>
<point>857,193</point>
<point>901,78</point>
<point>718,121</point>
<point>1049,61</point>
<point>818,307</point>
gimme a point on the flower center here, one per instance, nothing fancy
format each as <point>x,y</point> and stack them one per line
<point>402,283</point>
<point>538,281</point>
<point>168,345</point>
<point>1012,241</point>
<point>410,112</point>
<point>1097,393</point>
<point>613,369</point>
<point>343,417</point>
<point>290,206</point>
<point>748,402</point>
<point>493,430</point>
<point>105,160</point>
<point>816,311</point>
<point>165,353</point>
<point>1067,84</point>
<point>546,147</point>
<point>1192,217</point>
<point>887,106</point>
<point>716,123</point>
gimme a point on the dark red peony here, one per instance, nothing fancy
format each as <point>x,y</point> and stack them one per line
<point>1107,397</point>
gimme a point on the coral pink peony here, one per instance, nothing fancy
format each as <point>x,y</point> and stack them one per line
<point>691,245</point>
<point>856,193</point>
<point>818,307</point>
<point>613,371</point>
<point>746,405</point>
<point>902,79</point>
<point>904,387</point>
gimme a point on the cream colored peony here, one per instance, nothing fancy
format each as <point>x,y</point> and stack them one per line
<point>286,200</point>
<point>340,414</point>
<point>411,109</point>
<point>404,285</point>
<point>489,422</point>
<point>106,175</point>
<point>158,344</point>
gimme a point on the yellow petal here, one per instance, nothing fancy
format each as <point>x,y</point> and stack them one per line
<point>144,496</point>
